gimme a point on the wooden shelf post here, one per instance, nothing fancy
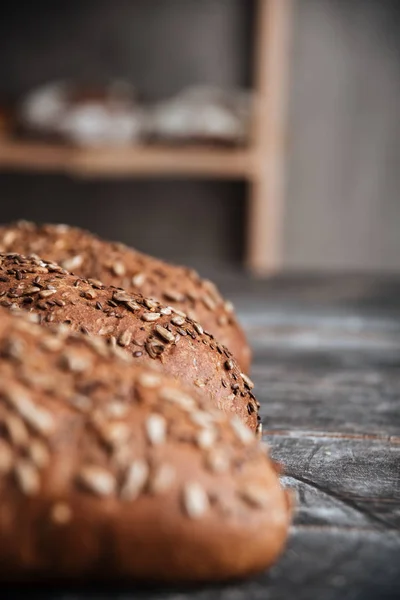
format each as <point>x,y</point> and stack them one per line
<point>266,199</point>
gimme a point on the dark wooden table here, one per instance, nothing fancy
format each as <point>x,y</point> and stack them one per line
<point>327,371</point>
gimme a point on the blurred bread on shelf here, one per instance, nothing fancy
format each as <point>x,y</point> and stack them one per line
<point>202,114</point>
<point>110,115</point>
<point>83,115</point>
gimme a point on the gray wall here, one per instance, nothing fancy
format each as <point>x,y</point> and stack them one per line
<point>343,197</point>
<point>342,209</point>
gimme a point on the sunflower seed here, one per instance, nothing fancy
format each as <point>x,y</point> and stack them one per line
<point>72,263</point>
<point>165,334</point>
<point>149,380</point>
<point>195,500</point>
<point>156,429</point>
<point>241,430</point>
<point>39,454</point>
<point>178,320</point>
<point>150,303</point>
<point>138,279</point>
<point>27,477</point>
<point>205,438</point>
<point>176,396</point>
<point>125,338</point>
<point>135,480</point>
<point>17,431</point>
<point>118,268</point>
<point>97,480</point>
<point>198,328</point>
<point>217,461</point>
<point>122,297</point>
<point>162,479</point>
<point>47,293</point>
<point>174,295</point>
<point>149,317</point>
<point>254,495</point>
<point>247,381</point>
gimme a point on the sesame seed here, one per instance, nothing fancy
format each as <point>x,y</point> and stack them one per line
<point>162,479</point>
<point>125,338</point>
<point>241,430</point>
<point>156,428</point>
<point>254,495</point>
<point>165,334</point>
<point>97,480</point>
<point>259,429</point>
<point>61,513</point>
<point>27,477</point>
<point>195,500</point>
<point>149,317</point>
<point>135,480</point>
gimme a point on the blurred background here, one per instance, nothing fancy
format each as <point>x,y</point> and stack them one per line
<point>314,176</point>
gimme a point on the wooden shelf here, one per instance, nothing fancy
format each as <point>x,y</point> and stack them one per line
<point>138,161</point>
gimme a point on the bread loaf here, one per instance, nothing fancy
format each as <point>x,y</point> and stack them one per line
<point>144,328</point>
<point>109,470</point>
<point>115,264</point>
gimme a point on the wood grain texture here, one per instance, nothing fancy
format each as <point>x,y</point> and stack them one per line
<point>327,371</point>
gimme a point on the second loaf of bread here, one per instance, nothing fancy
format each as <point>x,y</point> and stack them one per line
<point>143,328</point>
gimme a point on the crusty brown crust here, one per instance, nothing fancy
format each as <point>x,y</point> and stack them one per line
<point>145,329</point>
<point>115,264</point>
<point>109,470</point>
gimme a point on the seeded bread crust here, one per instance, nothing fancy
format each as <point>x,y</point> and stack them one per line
<point>144,328</point>
<point>116,471</point>
<point>115,264</point>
